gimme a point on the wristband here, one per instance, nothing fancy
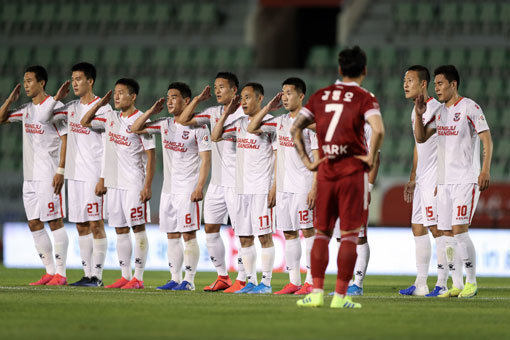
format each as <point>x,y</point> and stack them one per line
<point>370,187</point>
<point>60,171</point>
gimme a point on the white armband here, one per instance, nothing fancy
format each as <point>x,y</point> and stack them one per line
<point>370,187</point>
<point>60,171</point>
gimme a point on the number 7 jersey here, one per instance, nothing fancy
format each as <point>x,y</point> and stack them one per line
<point>340,111</point>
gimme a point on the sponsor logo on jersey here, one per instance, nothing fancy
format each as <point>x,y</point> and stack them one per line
<point>185,134</point>
<point>78,128</point>
<point>174,146</point>
<point>247,143</point>
<point>482,117</point>
<point>447,130</point>
<point>119,139</point>
<point>34,128</point>
<point>285,141</point>
<point>456,117</point>
<point>206,138</point>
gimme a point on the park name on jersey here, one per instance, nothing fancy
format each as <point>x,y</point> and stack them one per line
<point>174,146</point>
<point>333,150</point>
<point>285,141</point>
<point>247,143</point>
<point>78,128</point>
<point>118,139</point>
<point>34,128</point>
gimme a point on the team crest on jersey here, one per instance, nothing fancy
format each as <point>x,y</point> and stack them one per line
<point>438,117</point>
<point>185,134</point>
<point>456,117</point>
<point>128,130</point>
<point>72,114</point>
<point>281,127</point>
<point>111,123</point>
<point>482,117</point>
<point>206,138</point>
<point>166,131</point>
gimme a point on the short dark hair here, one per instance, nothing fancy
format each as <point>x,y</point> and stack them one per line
<point>298,83</point>
<point>182,88</point>
<point>257,88</point>
<point>40,73</point>
<point>352,61</point>
<point>131,84</point>
<point>88,70</point>
<point>449,72</point>
<point>232,78</point>
<point>423,72</point>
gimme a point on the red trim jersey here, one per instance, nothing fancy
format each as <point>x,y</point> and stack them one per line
<point>125,157</point>
<point>340,111</point>
<point>41,141</point>
<point>181,148</point>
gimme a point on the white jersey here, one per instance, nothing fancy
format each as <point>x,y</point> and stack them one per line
<point>223,153</point>
<point>291,174</point>
<point>41,141</point>
<point>426,168</point>
<point>458,147</point>
<point>254,159</point>
<point>125,157</point>
<point>181,147</point>
<point>84,145</point>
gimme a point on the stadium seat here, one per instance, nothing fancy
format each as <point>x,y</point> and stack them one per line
<point>162,16</point>
<point>448,15</point>
<point>160,87</point>
<point>146,91</point>
<point>495,90</point>
<point>21,57</point>
<point>207,16</point>
<point>186,15</point>
<point>473,88</point>
<point>87,15</point>
<point>6,86</point>
<point>387,59</point>
<point>223,58</point>
<point>243,57</point>
<point>436,56</point>
<point>142,16</point>
<point>404,16</point>
<point>498,59</point>
<point>4,56</point>
<point>66,14</point>
<point>9,16</point>
<point>370,84</point>
<point>90,54</point>
<point>53,85</point>
<point>202,58</point>
<point>66,57</point>
<point>504,17</point>
<point>488,16</point>
<point>27,16</point>
<point>112,56</point>
<point>161,59</point>
<point>417,56</point>
<point>43,55</point>
<point>103,17</point>
<point>427,16</point>
<point>477,59</point>
<point>46,17</point>
<point>392,88</point>
<point>469,16</point>
<point>319,57</point>
<point>123,15</point>
<point>134,58</point>
<point>183,57</point>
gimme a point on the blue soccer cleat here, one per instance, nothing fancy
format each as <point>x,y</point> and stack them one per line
<point>354,290</point>
<point>408,291</point>
<point>261,289</point>
<point>170,285</point>
<point>248,288</point>
<point>415,291</point>
<point>438,290</point>
<point>184,285</point>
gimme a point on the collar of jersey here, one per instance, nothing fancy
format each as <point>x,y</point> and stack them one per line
<point>351,83</point>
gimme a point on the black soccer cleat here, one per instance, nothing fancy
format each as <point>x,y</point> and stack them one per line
<point>82,282</point>
<point>94,282</point>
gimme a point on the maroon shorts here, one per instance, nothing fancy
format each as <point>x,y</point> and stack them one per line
<point>346,198</point>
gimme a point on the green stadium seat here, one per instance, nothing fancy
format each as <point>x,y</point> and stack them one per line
<point>469,15</point>
<point>243,57</point>
<point>104,14</point>
<point>392,88</point>
<point>207,15</point>
<point>66,56</point>
<point>498,59</point>
<point>370,52</point>
<point>448,15</point>
<point>10,12</point>
<point>143,15</point>
<point>183,57</point>
<point>404,14</point>
<point>46,16</point>
<point>457,56</point>
<point>21,56</point>
<point>387,58</point>
<point>319,57</point>
<point>477,58</point>
<point>112,57</point>
<point>199,84</point>
<point>161,86</point>
<point>417,56</point>
<point>223,58</point>
<point>370,84</point>
<point>43,55</point>
<point>122,15</point>
<point>4,56</point>
<point>162,13</point>
<point>488,15</point>
<point>134,57</point>
<point>161,57</point>
<point>504,16</point>
<point>86,15</point>
<point>7,83</point>
<point>53,85</point>
<point>67,13</point>
<point>146,90</point>
<point>186,14</point>
<point>202,57</point>
<point>436,57</point>
<point>90,54</point>
<point>28,15</point>
<point>427,16</point>
<point>495,90</point>
<point>473,88</point>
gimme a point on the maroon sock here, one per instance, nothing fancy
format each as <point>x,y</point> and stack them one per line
<point>319,259</point>
<point>346,260</point>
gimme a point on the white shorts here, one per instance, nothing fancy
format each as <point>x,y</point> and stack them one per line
<point>177,214</point>
<point>125,208</point>
<point>219,203</point>
<point>41,203</point>
<point>84,204</point>
<point>456,204</point>
<point>424,206</point>
<point>253,217</point>
<point>292,213</point>
<point>336,230</point>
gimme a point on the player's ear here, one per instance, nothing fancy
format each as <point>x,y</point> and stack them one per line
<point>301,96</point>
<point>187,100</point>
<point>134,95</point>
<point>91,82</point>
<point>340,70</point>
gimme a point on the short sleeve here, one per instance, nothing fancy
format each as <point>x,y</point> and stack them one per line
<point>269,124</point>
<point>370,106</point>
<point>203,138</point>
<point>148,141</point>
<point>61,126</point>
<point>309,109</point>
<point>203,118</point>
<point>60,112</point>
<point>476,117</point>
<point>155,126</point>
<point>17,114</point>
<point>230,130</point>
<point>99,120</point>
<point>314,144</point>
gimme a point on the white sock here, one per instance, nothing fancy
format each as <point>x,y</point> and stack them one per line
<point>86,247</point>
<point>124,250</point>
<point>249,256</point>
<point>309,245</point>
<point>100,246</point>
<point>268,264</point>
<point>175,258</point>
<point>442,266</point>
<point>292,259</point>
<point>141,250</point>
<point>216,250</point>
<point>454,262</point>
<point>360,267</point>
<point>241,272</point>
<point>423,253</point>
<point>467,253</point>
<point>191,257</point>
<point>61,242</point>
<point>44,248</point>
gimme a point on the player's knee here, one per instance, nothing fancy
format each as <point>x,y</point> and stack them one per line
<point>35,225</point>
<point>189,236</point>
<point>362,240</point>
<point>97,228</point>
<point>122,230</point>
<point>83,228</point>
<point>291,235</point>
<point>308,232</point>
<point>266,241</point>
<point>139,228</point>
<point>436,232</point>
<point>246,241</point>
<point>212,228</point>
<point>56,224</point>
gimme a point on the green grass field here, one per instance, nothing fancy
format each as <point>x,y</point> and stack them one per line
<point>95,313</point>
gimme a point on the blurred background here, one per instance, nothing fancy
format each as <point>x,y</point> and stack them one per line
<point>157,42</point>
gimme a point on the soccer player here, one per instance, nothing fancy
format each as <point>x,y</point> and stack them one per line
<point>187,161</point>
<point>420,190</point>
<point>340,112</point>
<point>83,170</point>
<point>219,201</point>
<point>43,172</point>
<point>460,125</point>
<point>296,185</point>
<point>254,170</point>
<point>128,171</point>
<point>363,248</point>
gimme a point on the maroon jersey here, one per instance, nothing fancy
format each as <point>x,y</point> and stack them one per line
<point>340,111</point>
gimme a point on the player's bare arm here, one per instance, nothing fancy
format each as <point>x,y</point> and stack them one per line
<point>146,192</point>
<point>256,121</point>
<point>4,109</point>
<point>485,176</point>
<point>312,194</point>
<point>89,116</point>
<point>139,124</point>
<point>186,117</point>
<point>376,123</point>
<point>296,131</point>
<point>205,167</point>
<point>217,132</point>
<point>58,179</point>
<point>100,189</point>
<point>421,132</point>
<point>271,197</point>
<point>409,187</point>
<point>372,175</point>
<point>62,92</point>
